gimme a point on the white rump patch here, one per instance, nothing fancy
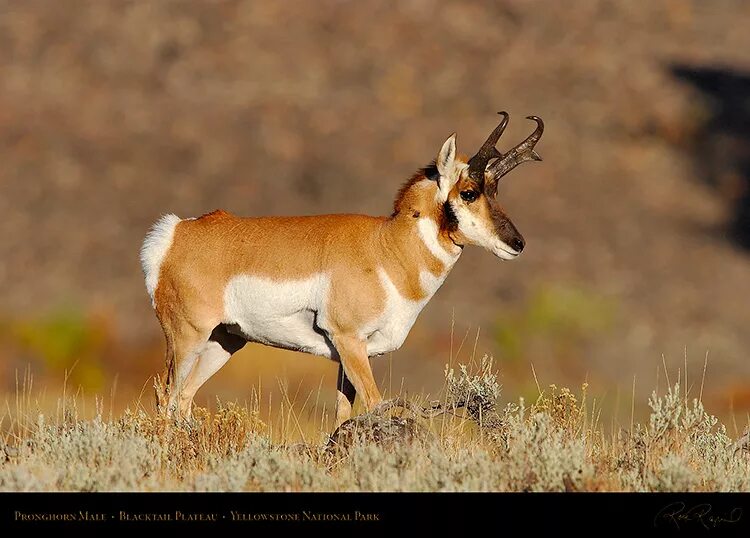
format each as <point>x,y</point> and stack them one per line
<point>154,249</point>
<point>284,314</point>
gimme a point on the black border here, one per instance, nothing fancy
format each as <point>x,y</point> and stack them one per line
<point>496,513</point>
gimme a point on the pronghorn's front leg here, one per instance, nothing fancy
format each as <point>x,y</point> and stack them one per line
<point>356,377</point>
<point>345,394</point>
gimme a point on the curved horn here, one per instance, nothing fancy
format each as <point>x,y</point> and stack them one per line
<point>488,151</point>
<point>522,153</point>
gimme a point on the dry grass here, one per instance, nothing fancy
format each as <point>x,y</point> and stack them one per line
<point>466,442</point>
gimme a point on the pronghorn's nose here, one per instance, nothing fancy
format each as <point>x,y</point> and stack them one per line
<point>518,243</point>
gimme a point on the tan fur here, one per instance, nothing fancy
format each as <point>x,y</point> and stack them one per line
<point>207,254</point>
<point>208,251</point>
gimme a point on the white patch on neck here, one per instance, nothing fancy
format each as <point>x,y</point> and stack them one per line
<point>480,234</point>
<point>388,332</point>
<point>390,329</point>
<point>428,231</point>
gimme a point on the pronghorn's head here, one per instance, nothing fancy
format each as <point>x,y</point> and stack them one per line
<point>467,192</point>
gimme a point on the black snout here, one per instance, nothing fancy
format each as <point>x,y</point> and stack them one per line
<point>518,243</point>
<point>505,230</point>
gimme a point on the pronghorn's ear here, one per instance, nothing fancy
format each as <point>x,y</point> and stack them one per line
<point>446,165</point>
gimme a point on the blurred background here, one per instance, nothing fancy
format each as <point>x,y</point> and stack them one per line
<point>637,222</point>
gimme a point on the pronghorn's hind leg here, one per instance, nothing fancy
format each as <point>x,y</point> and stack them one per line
<point>163,382</point>
<point>212,356</point>
<point>184,344</point>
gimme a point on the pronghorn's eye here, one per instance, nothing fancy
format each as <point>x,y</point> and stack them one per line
<point>469,196</point>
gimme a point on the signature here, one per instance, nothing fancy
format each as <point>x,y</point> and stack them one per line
<point>679,513</point>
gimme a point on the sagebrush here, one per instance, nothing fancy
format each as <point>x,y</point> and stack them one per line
<point>473,444</point>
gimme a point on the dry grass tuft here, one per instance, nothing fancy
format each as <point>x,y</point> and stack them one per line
<point>465,443</point>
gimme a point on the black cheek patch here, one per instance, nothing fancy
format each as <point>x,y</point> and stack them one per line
<point>450,221</point>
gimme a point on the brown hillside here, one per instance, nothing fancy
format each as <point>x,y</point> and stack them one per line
<point>112,113</point>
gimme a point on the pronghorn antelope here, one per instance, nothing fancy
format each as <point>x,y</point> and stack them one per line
<point>347,287</point>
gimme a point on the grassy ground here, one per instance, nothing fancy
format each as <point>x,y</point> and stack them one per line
<point>473,443</point>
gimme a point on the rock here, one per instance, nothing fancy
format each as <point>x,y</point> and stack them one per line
<point>371,428</point>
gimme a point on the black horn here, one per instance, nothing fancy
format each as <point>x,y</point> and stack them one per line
<point>522,153</point>
<point>488,151</point>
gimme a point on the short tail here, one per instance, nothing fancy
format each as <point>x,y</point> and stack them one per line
<point>154,249</point>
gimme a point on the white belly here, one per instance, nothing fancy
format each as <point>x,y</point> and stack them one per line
<point>279,314</point>
<point>289,314</point>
